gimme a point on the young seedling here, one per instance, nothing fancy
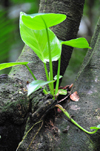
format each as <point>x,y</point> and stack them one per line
<point>35,33</point>
<point>67,114</point>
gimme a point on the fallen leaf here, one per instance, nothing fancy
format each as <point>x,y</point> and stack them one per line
<point>74,96</point>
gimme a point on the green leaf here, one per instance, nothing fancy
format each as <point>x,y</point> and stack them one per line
<point>78,43</point>
<point>7,65</point>
<point>37,40</point>
<point>95,127</point>
<point>55,77</point>
<point>62,92</point>
<point>35,85</point>
<point>38,21</point>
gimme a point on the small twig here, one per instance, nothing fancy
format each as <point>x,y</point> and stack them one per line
<point>35,135</point>
<point>27,133</point>
<point>63,98</point>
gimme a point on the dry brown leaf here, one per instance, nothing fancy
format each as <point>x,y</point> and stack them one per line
<point>74,96</point>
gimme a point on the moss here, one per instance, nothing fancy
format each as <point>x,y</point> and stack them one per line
<point>11,106</point>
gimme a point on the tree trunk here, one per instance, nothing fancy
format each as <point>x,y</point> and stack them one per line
<point>87,111</point>
<point>16,108</point>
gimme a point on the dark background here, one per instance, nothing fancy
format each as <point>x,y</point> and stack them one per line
<point>11,43</point>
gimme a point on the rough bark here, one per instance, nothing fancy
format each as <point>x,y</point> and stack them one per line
<point>87,111</point>
<point>14,104</point>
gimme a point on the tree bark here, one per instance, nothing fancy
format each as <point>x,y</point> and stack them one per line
<point>87,111</point>
<point>15,107</point>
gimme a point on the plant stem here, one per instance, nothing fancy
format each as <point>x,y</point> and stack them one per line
<point>44,91</point>
<point>58,73</point>
<point>50,60</point>
<point>67,114</point>
<point>31,72</point>
<point>46,72</point>
<point>50,64</point>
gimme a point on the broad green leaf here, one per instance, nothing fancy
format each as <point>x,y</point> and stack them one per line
<point>95,127</point>
<point>78,43</point>
<point>38,21</point>
<point>62,92</point>
<point>37,40</point>
<point>55,77</point>
<point>7,65</point>
<point>35,85</point>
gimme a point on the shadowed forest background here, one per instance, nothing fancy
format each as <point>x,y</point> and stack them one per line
<point>11,43</point>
